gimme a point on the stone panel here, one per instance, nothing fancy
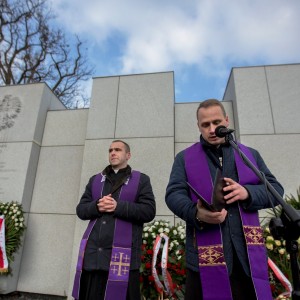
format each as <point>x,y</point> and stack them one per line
<point>46,260</point>
<point>146,106</point>
<point>27,110</point>
<point>284,88</point>
<point>154,156</point>
<point>57,180</point>
<point>30,176</point>
<point>14,164</point>
<point>276,150</point>
<point>253,115</point>
<point>102,111</point>
<point>65,127</point>
<point>95,159</point>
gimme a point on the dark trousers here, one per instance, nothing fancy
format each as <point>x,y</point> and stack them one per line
<point>93,285</point>
<point>241,285</point>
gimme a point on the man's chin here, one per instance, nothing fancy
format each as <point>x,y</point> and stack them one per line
<point>215,141</point>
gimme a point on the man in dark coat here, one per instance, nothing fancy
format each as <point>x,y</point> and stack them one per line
<point>120,196</point>
<point>225,252</point>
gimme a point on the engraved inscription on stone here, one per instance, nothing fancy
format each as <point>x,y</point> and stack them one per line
<point>10,107</point>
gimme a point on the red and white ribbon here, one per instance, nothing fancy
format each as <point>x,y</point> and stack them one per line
<point>3,257</point>
<point>281,277</point>
<point>167,280</point>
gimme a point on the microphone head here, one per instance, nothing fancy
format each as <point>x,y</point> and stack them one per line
<point>222,131</point>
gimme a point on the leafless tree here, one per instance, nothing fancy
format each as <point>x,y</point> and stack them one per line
<point>33,49</point>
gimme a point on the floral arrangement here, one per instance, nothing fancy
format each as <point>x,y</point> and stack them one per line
<point>14,228</point>
<point>276,249</point>
<point>175,263</point>
<point>277,252</point>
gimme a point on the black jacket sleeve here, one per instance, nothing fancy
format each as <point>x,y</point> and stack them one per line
<point>87,208</point>
<point>177,196</point>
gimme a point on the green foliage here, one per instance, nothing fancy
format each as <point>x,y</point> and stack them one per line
<point>294,201</point>
<point>14,229</point>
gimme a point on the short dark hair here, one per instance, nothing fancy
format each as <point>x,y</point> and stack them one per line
<point>127,147</point>
<point>211,102</point>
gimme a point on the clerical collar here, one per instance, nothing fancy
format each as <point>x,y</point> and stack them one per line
<point>109,169</point>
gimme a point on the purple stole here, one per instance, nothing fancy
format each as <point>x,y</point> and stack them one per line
<point>117,283</point>
<point>212,265</point>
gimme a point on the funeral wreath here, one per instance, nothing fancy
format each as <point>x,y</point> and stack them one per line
<point>12,226</point>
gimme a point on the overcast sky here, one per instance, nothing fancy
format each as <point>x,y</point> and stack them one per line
<point>200,40</point>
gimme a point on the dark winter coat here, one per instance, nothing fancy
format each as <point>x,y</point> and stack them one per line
<point>99,246</point>
<point>179,201</point>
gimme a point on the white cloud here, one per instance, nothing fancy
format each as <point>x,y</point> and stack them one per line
<point>212,35</point>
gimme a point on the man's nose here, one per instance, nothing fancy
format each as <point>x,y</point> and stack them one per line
<point>212,128</point>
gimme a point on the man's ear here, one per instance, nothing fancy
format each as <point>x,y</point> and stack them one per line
<point>227,121</point>
<point>128,155</point>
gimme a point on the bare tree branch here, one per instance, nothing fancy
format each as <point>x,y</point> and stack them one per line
<point>33,51</point>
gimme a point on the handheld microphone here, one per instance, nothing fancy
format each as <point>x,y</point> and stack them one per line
<point>222,131</point>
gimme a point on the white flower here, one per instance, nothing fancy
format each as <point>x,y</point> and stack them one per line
<point>146,235</point>
<point>144,242</point>
<point>156,223</point>
<point>277,243</point>
<point>167,230</point>
<point>146,228</point>
<point>269,246</point>
<point>281,251</point>
<point>182,236</point>
<point>160,230</point>
<point>174,232</point>
<point>179,257</point>
<point>153,235</point>
<point>270,238</point>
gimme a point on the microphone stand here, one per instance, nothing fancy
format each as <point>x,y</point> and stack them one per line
<point>286,227</point>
